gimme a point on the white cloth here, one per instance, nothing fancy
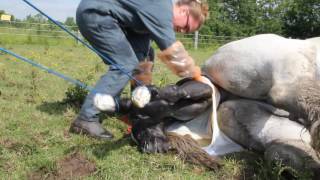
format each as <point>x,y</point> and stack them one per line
<point>104,102</point>
<point>205,128</point>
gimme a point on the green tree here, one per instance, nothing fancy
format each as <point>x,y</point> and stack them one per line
<point>2,12</point>
<point>301,18</point>
<point>38,18</point>
<point>71,22</point>
<point>269,18</point>
<point>232,17</point>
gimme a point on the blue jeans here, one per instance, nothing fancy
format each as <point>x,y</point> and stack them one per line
<point>106,36</point>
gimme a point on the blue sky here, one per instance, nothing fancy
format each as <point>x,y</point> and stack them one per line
<point>57,9</point>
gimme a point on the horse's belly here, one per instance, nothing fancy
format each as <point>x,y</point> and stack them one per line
<point>253,124</point>
<point>276,128</point>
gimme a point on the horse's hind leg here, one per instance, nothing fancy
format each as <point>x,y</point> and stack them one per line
<point>258,126</point>
<point>294,154</point>
<point>303,101</point>
<point>309,102</point>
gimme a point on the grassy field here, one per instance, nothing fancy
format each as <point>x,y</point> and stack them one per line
<point>34,121</point>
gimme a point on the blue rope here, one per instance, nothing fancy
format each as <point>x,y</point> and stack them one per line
<point>89,88</point>
<point>84,43</point>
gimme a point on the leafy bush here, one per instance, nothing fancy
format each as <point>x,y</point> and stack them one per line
<point>75,96</point>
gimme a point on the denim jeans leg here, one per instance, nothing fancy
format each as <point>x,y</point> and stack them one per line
<point>105,35</point>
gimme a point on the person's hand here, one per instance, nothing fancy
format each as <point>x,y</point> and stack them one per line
<point>179,61</point>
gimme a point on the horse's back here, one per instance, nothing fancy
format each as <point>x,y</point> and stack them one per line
<point>316,42</point>
<point>252,66</point>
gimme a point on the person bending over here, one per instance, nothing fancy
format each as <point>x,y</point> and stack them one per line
<point>121,31</point>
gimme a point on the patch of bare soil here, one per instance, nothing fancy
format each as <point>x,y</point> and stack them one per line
<point>75,165</point>
<point>7,143</point>
<point>72,166</point>
<point>42,173</point>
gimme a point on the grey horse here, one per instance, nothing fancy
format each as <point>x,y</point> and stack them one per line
<point>279,71</point>
<point>265,129</point>
<point>269,95</point>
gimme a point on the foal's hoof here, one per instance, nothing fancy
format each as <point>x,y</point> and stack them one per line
<point>315,136</point>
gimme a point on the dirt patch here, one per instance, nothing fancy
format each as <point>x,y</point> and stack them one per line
<point>66,134</point>
<point>6,166</point>
<point>73,166</point>
<point>7,143</point>
<point>42,173</point>
<point>198,170</point>
<point>19,148</point>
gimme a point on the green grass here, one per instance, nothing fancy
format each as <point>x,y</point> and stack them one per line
<point>34,123</point>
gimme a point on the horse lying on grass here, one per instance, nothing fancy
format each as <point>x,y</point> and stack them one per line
<point>179,118</point>
<point>269,94</point>
<point>282,72</point>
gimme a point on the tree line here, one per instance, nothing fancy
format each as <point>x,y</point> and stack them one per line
<point>290,18</point>
<point>242,18</point>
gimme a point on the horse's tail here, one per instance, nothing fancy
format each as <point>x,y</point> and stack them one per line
<point>309,105</point>
<point>188,149</point>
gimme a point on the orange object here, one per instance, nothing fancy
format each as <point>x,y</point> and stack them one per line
<point>197,74</point>
<point>129,130</point>
<point>125,119</point>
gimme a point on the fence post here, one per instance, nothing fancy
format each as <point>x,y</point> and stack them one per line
<point>79,36</point>
<point>196,39</point>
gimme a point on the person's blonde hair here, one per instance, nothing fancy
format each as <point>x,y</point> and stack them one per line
<point>199,9</point>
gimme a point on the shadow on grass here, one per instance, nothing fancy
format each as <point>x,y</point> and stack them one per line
<point>101,150</point>
<point>254,166</point>
<point>250,163</point>
<point>57,107</point>
<point>104,149</point>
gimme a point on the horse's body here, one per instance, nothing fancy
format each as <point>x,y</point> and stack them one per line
<point>282,72</point>
<point>261,66</point>
<point>316,42</point>
<point>275,73</point>
<point>262,128</point>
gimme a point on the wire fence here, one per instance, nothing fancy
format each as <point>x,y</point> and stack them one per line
<point>45,30</point>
